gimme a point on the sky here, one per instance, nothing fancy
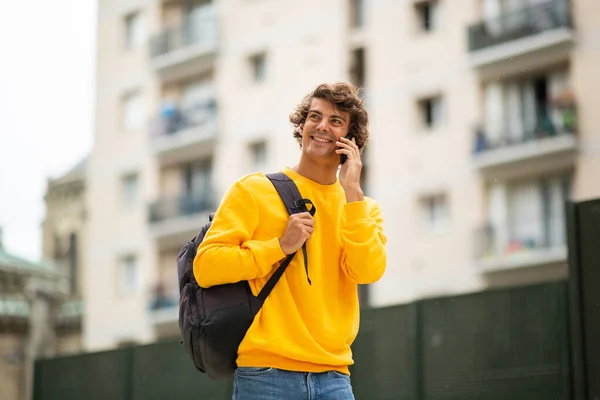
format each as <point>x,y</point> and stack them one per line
<point>47,89</point>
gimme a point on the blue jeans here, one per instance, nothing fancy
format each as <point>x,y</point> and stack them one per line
<point>275,384</point>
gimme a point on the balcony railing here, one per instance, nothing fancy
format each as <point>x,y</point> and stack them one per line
<point>522,23</point>
<point>18,306</point>
<point>14,307</point>
<point>525,242</point>
<point>179,206</point>
<point>174,118</point>
<point>559,122</point>
<point>187,34</point>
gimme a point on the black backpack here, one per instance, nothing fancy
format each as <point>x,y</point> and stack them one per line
<point>213,321</point>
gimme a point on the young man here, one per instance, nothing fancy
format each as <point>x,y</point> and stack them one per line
<point>299,344</point>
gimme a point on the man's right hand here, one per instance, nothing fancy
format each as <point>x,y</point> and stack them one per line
<point>299,229</point>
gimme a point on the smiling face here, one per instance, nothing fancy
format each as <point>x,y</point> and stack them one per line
<point>324,125</point>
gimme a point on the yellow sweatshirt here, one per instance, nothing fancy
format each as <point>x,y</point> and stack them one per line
<point>300,327</point>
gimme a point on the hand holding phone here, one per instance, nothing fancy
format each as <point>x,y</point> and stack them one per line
<point>344,157</point>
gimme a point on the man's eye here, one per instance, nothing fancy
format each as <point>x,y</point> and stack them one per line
<point>314,116</point>
<point>337,122</point>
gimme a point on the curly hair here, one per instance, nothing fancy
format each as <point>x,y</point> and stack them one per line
<point>345,97</point>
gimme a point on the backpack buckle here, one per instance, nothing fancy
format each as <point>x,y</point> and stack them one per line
<point>301,206</point>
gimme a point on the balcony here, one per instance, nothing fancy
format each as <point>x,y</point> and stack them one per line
<point>175,221</point>
<point>16,310</point>
<point>524,39</point>
<point>503,246</point>
<point>15,307</point>
<point>504,151</point>
<point>164,313</point>
<point>179,135</point>
<point>189,49</point>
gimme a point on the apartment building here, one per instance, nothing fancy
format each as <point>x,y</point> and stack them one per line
<point>481,129</point>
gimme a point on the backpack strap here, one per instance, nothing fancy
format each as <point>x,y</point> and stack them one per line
<point>289,193</point>
<point>294,203</point>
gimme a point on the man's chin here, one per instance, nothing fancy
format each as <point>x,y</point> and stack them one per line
<point>328,158</point>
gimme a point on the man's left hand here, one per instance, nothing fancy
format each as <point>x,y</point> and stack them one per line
<point>351,169</point>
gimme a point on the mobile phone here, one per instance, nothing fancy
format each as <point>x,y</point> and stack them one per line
<point>343,157</point>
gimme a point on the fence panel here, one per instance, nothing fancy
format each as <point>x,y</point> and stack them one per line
<point>93,376</point>
<point>506,344</point>
<point>384,354</point>
<point>164,371</point>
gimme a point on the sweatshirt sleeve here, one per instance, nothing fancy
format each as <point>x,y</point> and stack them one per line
<point>364,258</point>
<point>228,254</point>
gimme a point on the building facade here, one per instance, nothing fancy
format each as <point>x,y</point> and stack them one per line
<point>37,319</point>
<point>480,117</point>
<point>63,243</point>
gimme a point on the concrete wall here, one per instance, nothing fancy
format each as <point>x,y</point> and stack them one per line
<point>11,366</point>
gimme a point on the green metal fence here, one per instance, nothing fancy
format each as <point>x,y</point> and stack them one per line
<point>501,344</point>
<point>158,371</point>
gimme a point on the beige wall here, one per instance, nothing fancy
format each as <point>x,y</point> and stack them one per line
<point>11,375</point>
<point>114,230</point>
<point>69,344</point>
<point>170,181</point>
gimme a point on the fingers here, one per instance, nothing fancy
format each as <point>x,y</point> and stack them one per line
<point>350,144</point>
<point>303,223</point>
<point>352,155</point>
<point>348,147</point>
<point>347,152</point>
<point>302,217</point>
<point>307,234</point>
<point>309,224</point>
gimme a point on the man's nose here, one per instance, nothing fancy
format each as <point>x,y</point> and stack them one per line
<point>323,126</point>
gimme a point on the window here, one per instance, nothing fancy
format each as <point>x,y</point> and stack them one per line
<point>258,65</point>
<point>133,112</point>
<point>127,279</point>
<point>357,13</point>
<point>130,190</point>
<point>258,152</point>
<point>197,178</point>
<point>435,212</point>
<point>199,21</point>
<point>134,31</point>
<point>357,70</point>
<point>535,215</point>
<point>426,14</point>
<point>431,112</point>
<point>197,101</point>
